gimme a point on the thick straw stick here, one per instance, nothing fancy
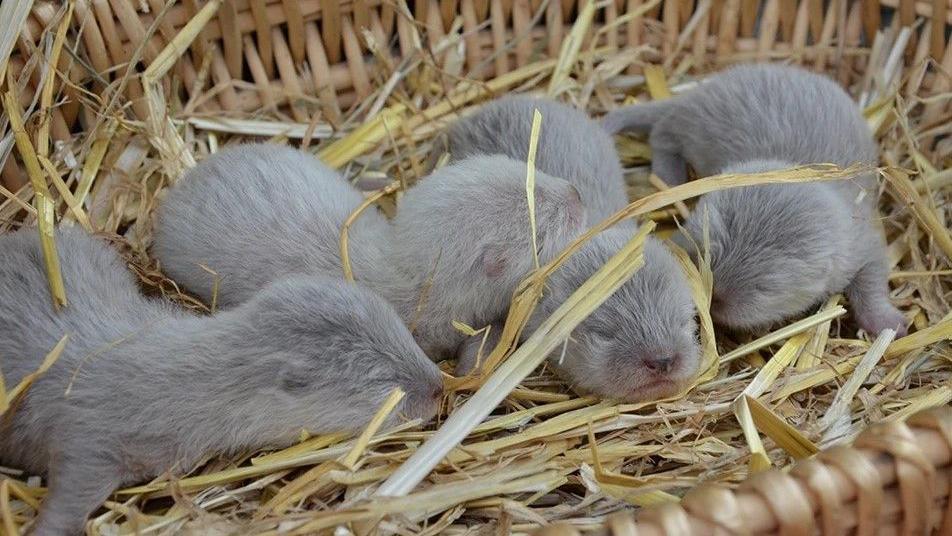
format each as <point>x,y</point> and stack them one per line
<point>46,97</point>
<point>94,158</point>
<point>41,195</point>
<point>775,427</point>
<point>759,461</point>
<point>549,336</point>
<point>697,188</point>
<point>256,127</point>
<point>363,440</point>
<point>530,180</point>
<point>784,333</point>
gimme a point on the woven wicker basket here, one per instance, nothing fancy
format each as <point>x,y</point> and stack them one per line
<point>894,480</point>
<point>315,54</point>
<point>316,61</point>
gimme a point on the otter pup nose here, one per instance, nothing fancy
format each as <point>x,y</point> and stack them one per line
<point>423,399</point>
<point>575,198</point>
<point>662,363</point>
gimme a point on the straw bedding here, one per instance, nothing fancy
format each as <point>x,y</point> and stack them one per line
<point>546,453</point>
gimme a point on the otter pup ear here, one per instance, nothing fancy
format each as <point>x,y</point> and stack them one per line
<point>295,374</point>
<point>494,261</point>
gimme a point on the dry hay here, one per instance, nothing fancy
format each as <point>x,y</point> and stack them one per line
<point>545,453</point>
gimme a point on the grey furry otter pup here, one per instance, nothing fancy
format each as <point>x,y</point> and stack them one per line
<point>456,250</point>
<point>142,388</point>
<point>571,146</point>
<point>749,112</point>
<point>776,250</point>
<point>641,343</point>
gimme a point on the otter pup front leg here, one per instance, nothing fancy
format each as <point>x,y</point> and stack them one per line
<point>79,482</point>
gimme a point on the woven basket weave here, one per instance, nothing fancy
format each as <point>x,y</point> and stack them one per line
<point>315,54</point>
<point>894,480</point>
<point>314,59</point>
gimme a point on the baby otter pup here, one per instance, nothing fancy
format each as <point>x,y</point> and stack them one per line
<point>456,250</point>
<point>142,388</point>
<point>778,249</point>
<point>571,146</point>
<point>640,344</point>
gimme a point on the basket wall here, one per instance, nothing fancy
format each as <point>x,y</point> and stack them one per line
<point>317,54</point>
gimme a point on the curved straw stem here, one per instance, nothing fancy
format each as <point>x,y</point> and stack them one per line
<point>345,229</point>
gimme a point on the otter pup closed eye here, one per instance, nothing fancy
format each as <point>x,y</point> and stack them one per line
<point>142,388</point>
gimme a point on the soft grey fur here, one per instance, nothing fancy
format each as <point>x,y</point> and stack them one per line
<point>750,112</point>
<point>456,250</point>
<point>463,233</point>
<point>641,343</point>
<point>141,388</point>
<point>776,250</point>
<point>571,146</point>
<point>253,214</point>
